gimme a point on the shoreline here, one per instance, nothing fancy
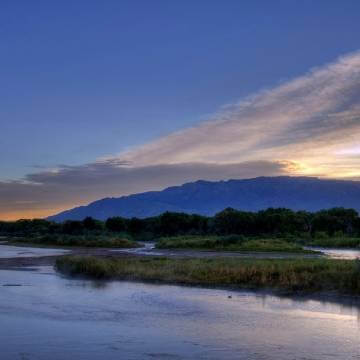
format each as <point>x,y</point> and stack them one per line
<point>27,263</point>
<point>171,252</point>
<point>50,260</point>
<point>286,276</point>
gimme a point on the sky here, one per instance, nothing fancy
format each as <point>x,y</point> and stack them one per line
<point>102,99</point>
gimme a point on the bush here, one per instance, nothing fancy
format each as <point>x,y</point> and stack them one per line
<point>343,242</point>
<point>320,235</point>
<point>230,243</point>
<point>82,241</point>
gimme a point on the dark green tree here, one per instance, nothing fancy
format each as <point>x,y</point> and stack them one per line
<point>116,224</point>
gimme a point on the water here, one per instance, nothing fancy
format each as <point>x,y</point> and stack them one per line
<point>8,251</point>
<point>149,249</point>
<point>51,317</point>
<point>345,254</point>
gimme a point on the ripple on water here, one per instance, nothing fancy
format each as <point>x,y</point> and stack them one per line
<point>61,318</point>
<point>9,251</point>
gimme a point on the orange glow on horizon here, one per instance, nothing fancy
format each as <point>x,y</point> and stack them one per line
<point>31,214</point>
<point>293,168</point>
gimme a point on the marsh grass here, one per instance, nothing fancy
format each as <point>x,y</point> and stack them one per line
<point>336,242</point>
<point>99,241</point>
<point>230,243</point>
<point>290,275</point>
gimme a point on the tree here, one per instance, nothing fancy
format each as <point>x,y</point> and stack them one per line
<point>116,224</point>
<point>172,223</point>
<point>91,224</point>
<point>136,226</point>
<point>335,220</point>
<point>72,227</point>
<point>231,221</point>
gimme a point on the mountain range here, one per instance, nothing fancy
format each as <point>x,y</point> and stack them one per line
<point>210,197</point>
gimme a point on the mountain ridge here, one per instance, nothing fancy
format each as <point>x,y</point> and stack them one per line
<point>208,197</point>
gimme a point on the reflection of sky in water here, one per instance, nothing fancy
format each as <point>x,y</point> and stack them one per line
<point>149,249</point>
<point>7,251</point>
<point>339,253</point>
<point>63,318</point>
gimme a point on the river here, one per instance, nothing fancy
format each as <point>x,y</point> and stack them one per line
<point>46,316</point>
<point>9,251</point>
<point>344,254</point>
<point>149,249</point>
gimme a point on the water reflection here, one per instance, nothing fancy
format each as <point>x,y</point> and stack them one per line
<point>338,306</point>
<point>59,318</point>
<point>345,254</point>
<point>8,251</point>
<point>149,249</point>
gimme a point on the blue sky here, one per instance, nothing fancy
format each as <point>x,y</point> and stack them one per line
<point>84,80</point>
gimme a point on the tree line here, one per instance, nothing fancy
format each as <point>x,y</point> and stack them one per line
<point>271,222</point>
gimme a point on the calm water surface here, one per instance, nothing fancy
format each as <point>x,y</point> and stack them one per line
<point>346,254</point>
<point>149,249</point>
<point>51,317</point>
<point>9,251</point>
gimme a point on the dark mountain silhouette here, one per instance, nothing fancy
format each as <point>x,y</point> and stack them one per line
<point>209,197</point>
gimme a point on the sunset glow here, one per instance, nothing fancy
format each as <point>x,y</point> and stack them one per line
<point>102,140</point>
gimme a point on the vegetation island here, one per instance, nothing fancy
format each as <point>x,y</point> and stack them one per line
<point>273,230</point>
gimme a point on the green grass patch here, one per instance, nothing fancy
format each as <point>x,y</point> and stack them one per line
<point>337,242</point>
<point>230,243</point>
<point>290,275</point>
<point>98,241</point>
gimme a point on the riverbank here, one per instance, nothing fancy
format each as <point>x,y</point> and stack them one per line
<point>286,275</point>
<point>336,243</point>
<point>18,255</point>
<point>78,241</point>
<point>231,243</point>
<point>20,260</point>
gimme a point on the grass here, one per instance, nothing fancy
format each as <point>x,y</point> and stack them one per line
<point>230,243</point>
<point>337,242</point>
<point>98,241</point>
<point>290,275</point>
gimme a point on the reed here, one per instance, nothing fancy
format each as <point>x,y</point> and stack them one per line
<point>291,275</point>
<point>98,241</point>
<point>230,243</point>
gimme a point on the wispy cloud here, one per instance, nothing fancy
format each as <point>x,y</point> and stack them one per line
<point>307,119</point>
<point>310,125</point>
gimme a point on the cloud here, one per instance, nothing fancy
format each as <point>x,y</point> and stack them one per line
<point>315,114</point>
<point>306,126</point>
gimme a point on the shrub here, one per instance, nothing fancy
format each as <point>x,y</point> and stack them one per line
<point>320,235</point>
<point>82,241</point>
